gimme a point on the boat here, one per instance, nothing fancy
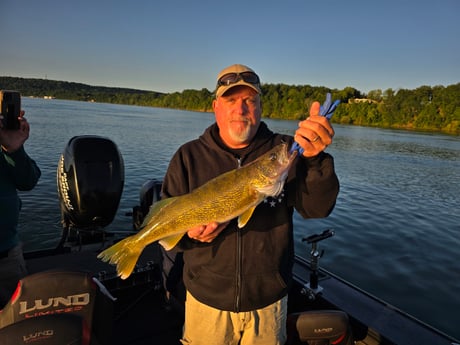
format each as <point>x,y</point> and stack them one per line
<point>71,297</point>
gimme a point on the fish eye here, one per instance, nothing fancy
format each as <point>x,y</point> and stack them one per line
<point>273,156</point>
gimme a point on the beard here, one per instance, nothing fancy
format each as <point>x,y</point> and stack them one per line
<point>242,133</point>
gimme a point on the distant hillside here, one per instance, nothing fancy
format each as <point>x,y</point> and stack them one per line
<point>428,108</point>
<point>76,91</point>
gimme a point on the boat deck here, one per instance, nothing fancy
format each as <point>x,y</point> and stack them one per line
<point>141,315</point>
<point>373,321</point>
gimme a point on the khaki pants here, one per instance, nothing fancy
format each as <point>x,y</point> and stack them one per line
<point>205,325</point>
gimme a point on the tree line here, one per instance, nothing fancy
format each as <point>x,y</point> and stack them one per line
<point>430,108</point>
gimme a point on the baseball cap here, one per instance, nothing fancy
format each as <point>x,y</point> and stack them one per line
<point>236,75</point>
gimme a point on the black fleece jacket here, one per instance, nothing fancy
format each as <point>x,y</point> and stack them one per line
<point>248,268</point>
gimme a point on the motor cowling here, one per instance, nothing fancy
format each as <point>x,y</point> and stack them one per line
<point>90,179</point>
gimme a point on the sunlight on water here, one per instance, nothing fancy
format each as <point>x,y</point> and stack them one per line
<point>396,218</point>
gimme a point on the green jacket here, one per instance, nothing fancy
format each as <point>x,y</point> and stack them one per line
<point>17,172</point>
<point>248,268</point>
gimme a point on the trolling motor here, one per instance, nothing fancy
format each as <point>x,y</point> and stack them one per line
<point>312,288</point>
<point>90,179</point>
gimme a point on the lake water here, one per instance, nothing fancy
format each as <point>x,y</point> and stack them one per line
<point>397,218</point>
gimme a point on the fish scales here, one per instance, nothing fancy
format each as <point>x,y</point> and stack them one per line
<point>203,206</point>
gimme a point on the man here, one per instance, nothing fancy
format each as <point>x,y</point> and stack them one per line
<point>237,280</point>
<point>17,172</point>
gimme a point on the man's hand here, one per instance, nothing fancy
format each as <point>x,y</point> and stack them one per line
<point>206,233</point>
<point>315,133</point>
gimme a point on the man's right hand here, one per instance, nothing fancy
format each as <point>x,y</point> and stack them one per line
<point>206,233</point>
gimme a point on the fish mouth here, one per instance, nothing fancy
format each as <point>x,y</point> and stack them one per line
<point>291,156</point>
<point>277,188</point>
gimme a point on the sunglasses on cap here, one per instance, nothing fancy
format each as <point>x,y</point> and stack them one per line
<point>232,78</point>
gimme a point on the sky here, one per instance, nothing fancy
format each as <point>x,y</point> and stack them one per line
<point>173,45</point>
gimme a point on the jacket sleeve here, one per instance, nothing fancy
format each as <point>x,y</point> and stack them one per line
<point>23,170</point>
<point>317,186</point>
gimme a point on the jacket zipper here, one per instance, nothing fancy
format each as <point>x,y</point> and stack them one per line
<point>238,271</point>
<point>239,259</point>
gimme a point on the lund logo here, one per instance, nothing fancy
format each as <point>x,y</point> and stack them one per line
<point>47,333</point>
<point>69,301</point>
<point>323,330</point>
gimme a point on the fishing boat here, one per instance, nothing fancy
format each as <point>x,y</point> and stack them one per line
<point>71,297</point>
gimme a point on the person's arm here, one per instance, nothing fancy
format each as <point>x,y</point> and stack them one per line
<point>317,184</point>
<point>23,170</point>
<point>317,187</point>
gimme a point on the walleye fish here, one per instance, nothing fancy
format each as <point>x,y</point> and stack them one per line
<point>233,194</point>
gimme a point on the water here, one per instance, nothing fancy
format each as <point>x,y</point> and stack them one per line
<point>396,221</point>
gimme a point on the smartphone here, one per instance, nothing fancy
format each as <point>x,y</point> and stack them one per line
<point>10,108</point>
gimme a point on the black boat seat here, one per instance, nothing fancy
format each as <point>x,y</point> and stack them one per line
<point>322,327</point>
<point>57,329</point>
<point>60,293</point>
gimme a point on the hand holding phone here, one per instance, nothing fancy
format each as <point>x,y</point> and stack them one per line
<point>10,109</point>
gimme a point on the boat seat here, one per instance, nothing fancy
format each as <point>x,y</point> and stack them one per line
<point>46,330</point>
<point>322,327</point>
<point>60,293</point>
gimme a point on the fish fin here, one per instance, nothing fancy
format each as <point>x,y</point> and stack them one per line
<point>124,255</point>
<point>244,218</point>
<point>170,242</point>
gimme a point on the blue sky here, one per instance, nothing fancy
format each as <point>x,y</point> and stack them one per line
<point>172,45</point>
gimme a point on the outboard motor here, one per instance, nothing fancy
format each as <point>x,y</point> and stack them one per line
<point>90,179</point>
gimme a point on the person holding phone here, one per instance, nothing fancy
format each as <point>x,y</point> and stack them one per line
<point>18,172</point>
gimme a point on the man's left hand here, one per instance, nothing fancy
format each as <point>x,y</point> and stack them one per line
<point>315,133</point>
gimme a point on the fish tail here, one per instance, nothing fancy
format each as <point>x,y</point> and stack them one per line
<point>124,255</point>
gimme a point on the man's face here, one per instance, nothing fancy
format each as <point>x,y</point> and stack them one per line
<point>238,114</point>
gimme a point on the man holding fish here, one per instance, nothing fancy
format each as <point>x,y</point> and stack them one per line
<point>237,271</point>
<point>227,203</point>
